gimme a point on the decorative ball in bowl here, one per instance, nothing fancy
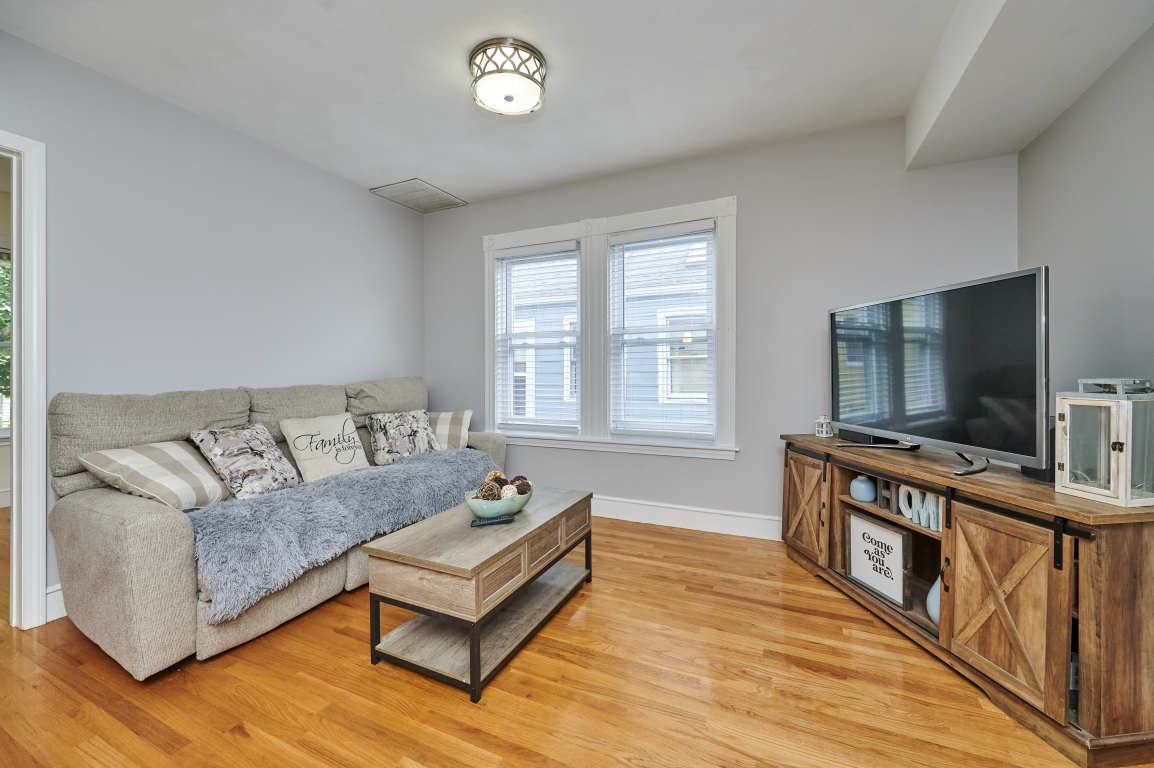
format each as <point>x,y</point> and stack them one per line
<point>510,505</point>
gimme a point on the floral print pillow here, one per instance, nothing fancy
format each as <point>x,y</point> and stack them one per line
<point>397,435</point>
<point>247,459</point>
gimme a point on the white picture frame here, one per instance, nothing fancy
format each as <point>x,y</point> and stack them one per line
<point>879,557</point>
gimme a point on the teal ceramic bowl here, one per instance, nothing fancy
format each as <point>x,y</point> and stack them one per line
<point>509,506</point>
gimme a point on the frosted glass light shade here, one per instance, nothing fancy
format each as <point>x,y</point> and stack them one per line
<point>508,76</point>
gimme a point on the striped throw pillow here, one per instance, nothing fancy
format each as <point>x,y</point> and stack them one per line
<point>451,428</point>
<point>172,473</point>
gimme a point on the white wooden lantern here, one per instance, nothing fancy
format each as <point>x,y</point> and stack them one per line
<point>1104,444</point>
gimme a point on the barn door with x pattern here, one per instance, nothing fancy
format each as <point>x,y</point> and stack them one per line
<point>805,501</point>
<point>1010,611</point>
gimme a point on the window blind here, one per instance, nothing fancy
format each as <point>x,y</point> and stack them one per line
<point>925,375</point>
<point>863,363</point>
<point>537,340</point>
<point>662,318</point>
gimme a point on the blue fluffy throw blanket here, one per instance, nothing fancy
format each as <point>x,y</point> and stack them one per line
<point>247,549</point>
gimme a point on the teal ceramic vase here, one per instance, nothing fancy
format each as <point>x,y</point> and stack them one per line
<point>863,489</point>
<point>934,601</point>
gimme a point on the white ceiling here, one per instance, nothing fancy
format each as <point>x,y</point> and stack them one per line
<point>376,91</point>
<point>1007,69</point>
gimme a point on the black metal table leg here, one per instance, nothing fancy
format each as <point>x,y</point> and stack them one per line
<point>589,556</point>
<point>475,662</point>
<point>374,627</point>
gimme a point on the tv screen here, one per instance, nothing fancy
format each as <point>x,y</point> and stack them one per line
<point>962,367</point>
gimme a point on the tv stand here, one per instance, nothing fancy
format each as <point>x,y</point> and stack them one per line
<point>974,468</point>
<point>900,445</point>
<point>1035,585</point>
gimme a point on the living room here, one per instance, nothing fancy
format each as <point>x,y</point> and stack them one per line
<point>351,263</point>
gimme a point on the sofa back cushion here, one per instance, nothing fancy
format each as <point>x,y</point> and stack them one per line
<point>82,423</point>
<point>272,405</point>
<point>386,396</point>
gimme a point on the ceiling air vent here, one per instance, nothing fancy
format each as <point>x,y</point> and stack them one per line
<point>419,195</point>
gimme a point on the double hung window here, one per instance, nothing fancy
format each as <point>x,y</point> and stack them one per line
<point>616,332</point>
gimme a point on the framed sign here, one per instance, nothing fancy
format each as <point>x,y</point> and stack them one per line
<point>879,557</point>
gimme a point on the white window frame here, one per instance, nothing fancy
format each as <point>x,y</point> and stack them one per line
<point>5,402</point>
<point>593,239</point>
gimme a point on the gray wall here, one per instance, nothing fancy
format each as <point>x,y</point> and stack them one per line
<point>184,255</point>
<point>824,221</point>
<point>1086,202</point>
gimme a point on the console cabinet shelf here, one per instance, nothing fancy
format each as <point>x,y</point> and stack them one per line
<point>1038,590</point>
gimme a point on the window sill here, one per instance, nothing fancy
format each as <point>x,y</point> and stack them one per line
<point>721,453</point>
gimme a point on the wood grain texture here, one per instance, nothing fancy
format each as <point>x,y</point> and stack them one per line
<point>446,543</point>
<point>499,579</point>
<point>838,486</point>
<point>1011,615</point>
<point>444,592</point>
<point>806,492</point>
<point>442,645</point>
<point>1001,485</point>
<point>1116,602</point>
<point>543,544</point>
<point>890,517</point>
<point>688,649</point>
<point>451,567</point>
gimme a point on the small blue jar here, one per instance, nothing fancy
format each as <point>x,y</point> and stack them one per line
<point>863,489</point>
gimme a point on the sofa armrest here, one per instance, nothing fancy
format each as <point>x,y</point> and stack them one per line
<point>492,443</point>
<point>128,576</point>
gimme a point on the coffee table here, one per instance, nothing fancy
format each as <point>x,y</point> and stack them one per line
<point>480,593</point>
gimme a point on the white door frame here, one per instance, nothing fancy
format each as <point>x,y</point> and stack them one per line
<point>29,598</point>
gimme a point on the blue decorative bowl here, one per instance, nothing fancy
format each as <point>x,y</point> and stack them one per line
<point>509,506</point>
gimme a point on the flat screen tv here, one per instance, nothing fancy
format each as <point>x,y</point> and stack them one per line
<point>964,367</point>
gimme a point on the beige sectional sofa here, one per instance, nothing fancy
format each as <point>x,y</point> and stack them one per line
<point>127,570</point>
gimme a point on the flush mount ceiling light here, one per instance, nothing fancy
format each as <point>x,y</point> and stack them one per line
<point>508,76</point>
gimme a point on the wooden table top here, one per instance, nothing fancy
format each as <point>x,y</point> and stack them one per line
<point>998,484</point>
<point>447,543</point>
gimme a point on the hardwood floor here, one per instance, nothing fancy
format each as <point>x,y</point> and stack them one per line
<point>687,649</point>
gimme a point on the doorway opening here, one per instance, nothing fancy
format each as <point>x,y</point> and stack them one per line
<point>23,388</point>
<point>7,222</point>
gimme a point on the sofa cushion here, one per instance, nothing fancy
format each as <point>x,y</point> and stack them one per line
<point>451,428</point>
<point>247,459</point>
<point>80,423</point>
<point>386,395</point>
<point>398,435</point>
<point>173,473</point>
<point>272,405</point>
<point>324,445</point>
<point>357,572</point>
<point>310,590</point>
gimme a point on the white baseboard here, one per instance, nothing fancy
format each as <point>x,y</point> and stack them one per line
<point>55,604</point>
<point>694,518</point>
<point>6,497</point>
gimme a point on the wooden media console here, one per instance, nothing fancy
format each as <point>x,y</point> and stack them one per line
<point>1046,600</point>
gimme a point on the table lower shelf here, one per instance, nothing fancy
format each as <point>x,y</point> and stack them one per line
<point>441,644</point>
